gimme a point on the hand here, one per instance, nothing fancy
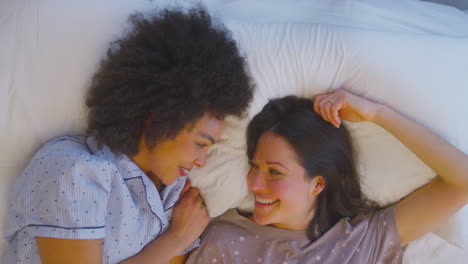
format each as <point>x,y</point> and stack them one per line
<point>189,217</point>
<point>343,105</point>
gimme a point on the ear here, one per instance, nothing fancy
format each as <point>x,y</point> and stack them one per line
<point>142,146</point>
<point>317,184</point>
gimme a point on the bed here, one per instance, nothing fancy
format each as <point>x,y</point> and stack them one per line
<point>411,55</point>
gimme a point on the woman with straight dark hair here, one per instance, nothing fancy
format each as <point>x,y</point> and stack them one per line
<point>309,207</point>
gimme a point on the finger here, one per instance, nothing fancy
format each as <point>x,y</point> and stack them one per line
<point>186,188</point>
<point>201,201</point>
<point>192,193</point>
<point>332,109</point>
<point>337,99</point>
<point>327,109</point>
<point>317,100</point>
<point>336,114</point>
<point>205,213</point>
<point>205,218</point>
<point>323,108</point>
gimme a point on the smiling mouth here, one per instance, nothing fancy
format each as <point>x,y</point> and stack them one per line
<point>183,171</point>
<point>263,202</point>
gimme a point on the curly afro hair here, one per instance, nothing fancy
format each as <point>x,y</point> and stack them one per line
<point>166,73</point>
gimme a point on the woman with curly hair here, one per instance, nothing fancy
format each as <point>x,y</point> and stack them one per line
<point>156,105</point>
<point>308,202</point>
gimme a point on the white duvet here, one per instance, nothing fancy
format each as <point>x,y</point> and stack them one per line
<point>411,55</point>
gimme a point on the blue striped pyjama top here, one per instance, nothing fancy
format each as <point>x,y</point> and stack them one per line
<point>73,190</point>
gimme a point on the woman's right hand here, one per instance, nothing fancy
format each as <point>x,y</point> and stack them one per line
<point>189,219</point>
<point>189,216</point>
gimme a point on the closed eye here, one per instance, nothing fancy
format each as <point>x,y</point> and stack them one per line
<point>202,145</point>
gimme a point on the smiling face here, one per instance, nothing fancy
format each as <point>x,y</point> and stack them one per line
<point>284,195</point>
<point>173,158</point>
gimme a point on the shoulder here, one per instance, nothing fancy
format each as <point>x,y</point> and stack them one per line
<point>228,225</point>
<point>376,216</point>
<point>229,220</point>
<point>230,217</point>
<point>223,233</point>
<point>64,148</point>
<point>378,226</point>
<point>68,149</point>
<point>67,161</point>
<point>65,188</point>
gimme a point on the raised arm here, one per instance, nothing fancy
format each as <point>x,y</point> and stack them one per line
<point>430,206</point>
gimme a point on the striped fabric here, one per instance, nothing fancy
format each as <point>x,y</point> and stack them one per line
<point>73,190</point>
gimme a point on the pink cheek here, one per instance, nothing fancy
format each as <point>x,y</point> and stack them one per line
<point>190,154</point>
<point>280,190</point>
<point>249,178</point>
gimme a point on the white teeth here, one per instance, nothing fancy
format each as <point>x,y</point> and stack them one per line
<point>186,171</point>
<point>265,201</point>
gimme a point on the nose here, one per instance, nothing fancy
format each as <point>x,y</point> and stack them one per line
<point>201,160</point>
<point>256,181</point>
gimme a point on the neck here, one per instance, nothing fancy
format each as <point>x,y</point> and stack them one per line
<point>140,162</point>
<point>298,224</point>
<point>157,182</point>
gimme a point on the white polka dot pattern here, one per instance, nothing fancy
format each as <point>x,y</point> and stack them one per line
<point>73,190</point>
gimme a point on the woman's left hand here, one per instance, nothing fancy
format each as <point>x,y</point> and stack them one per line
<point>428,207</point>
<point>343,105</point>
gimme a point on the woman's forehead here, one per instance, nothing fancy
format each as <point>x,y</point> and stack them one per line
<point>208,127</point>
<point>274,148</point>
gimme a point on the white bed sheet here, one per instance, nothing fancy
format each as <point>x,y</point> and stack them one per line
<point>22,18</point>
<point>412,17</point>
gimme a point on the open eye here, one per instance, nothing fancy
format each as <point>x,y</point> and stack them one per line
<point>275,172</point>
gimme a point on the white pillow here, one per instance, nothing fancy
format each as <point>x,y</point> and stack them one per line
<point>423,76</point>
<point>51,48</point>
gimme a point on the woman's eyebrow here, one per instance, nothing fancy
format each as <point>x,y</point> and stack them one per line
<point>277,163</point>
<point>210,138</point>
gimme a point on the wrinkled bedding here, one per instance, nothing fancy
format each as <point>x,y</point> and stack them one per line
<point>408,54</point>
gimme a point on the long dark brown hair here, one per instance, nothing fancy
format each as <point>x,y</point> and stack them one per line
<point>322,149</point>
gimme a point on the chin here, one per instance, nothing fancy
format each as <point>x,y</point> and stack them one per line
<point>171,181</point>
<point>168,181</point>
<point>261,220</point>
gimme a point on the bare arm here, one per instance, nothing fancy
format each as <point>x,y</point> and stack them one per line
<point>179,259</point>
<point>430,206</point>
<point>71,251</point>
<point>189,219</point>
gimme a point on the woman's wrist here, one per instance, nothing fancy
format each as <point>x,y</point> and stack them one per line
<point>380,114</point>
<point>177,240</point>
